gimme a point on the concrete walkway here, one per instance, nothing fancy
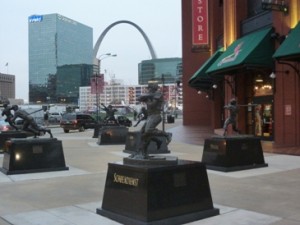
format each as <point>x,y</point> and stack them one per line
<point>263,196</point>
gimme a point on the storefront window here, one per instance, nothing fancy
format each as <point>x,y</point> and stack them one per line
<point>262,85</point>
<point>263,120</point>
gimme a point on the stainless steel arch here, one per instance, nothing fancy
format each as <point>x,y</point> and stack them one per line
<point>97,45</point>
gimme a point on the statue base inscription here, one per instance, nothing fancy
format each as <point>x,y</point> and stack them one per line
<point>112,135</point>
<point>233,153</point>
<point>30,155</point>
<point>157,194</point>
<point>133,141</point>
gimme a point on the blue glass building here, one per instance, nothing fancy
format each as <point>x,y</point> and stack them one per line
<point>154,69</point>
<point>56,41</point>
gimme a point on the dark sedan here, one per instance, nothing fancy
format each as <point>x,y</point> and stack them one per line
<point>123,120</point>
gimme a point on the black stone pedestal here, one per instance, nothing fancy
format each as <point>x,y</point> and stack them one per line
<point>29,155</point>
<point>133,142</point>
<point>233,153</point>
<point>112,135</point>
<point>6,135</point>
<point>157,194</point>
<point>98,127</point>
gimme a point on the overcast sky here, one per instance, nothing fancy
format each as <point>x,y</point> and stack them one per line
<point>160,20</point>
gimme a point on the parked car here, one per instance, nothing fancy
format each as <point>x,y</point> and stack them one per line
<point>77,121</point>
<point>123,120</point>
<point>4,126</point>
<point>55,117</point>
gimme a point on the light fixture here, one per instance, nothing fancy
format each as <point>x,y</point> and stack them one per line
<point>278,37</point>
<point>259,79</point>
<point>273,75</point>
<point>276,5</point>
<point>17,156</point>
<point>199,92</point>
<point>215,86</point>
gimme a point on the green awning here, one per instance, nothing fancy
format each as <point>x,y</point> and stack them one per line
<point>201,80</point>
<point>250,52</point>
<point>289,50</point>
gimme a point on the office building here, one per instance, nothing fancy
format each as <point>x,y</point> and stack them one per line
<point>156,69</point>
<point>56,42</point>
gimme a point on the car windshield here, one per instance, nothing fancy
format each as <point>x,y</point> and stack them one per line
<point>69,116</point>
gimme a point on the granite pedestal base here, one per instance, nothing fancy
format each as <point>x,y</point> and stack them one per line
<point>112,135</point>
<point>6,135</point>
<point>29,155</point>
<point>157,194</point>
<point>233,153</point>
<point>133,142</point>
<point>101,125</point>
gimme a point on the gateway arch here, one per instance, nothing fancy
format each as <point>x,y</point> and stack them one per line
<point>98,43</point>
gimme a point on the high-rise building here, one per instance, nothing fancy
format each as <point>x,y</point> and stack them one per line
<point>7,86</point>
<point>56,42</point>
<point>155,69</point>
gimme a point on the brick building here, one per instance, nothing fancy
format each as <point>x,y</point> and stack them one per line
<point>248,50</point>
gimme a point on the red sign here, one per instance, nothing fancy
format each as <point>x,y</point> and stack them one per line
<point>97,84</point>
<point>200,22</point>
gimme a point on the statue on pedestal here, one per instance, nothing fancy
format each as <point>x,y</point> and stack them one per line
<point>110,114</point>
<point>29,123</point>
<point>154,102</point>
<point>7,112</point>
<point>231,119</point>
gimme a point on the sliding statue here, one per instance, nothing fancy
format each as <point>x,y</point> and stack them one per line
<point>29,123</point>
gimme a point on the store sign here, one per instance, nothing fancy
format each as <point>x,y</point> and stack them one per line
<point>200,22</point>
<point>35,18</point>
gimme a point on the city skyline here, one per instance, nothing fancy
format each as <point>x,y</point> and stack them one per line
<point>131,49</point>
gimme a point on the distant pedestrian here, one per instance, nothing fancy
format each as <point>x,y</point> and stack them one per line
<point>46,118</point>
<point>134,114</point>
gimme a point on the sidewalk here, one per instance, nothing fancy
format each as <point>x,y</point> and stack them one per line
<point>264,196</point>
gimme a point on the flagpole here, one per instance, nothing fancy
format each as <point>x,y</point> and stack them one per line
<point>6,67</point>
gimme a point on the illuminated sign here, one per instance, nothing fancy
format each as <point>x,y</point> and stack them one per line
<point>35,18</point>
<point>200,22</point>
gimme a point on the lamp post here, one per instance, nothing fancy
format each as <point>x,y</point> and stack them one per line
<point>97,75</point>
<point>163,93</point>
<point>104,56</point>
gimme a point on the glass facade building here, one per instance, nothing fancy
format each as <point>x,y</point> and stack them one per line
<point>57,42</point>
<point>154,69</point>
